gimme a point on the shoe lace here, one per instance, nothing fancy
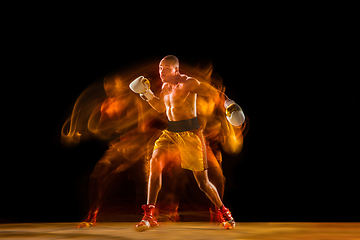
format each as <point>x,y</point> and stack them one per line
<point>147,213</point>
<point>227,214</point>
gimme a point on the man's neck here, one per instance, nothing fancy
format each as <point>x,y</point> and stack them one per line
<point>177,79</point>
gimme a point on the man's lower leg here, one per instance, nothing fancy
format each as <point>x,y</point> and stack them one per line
<point>224,215</point>
<point>154,186</point>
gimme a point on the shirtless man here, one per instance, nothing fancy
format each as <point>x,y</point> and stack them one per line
<point>183,137</point>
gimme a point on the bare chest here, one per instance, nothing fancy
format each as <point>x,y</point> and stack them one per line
<point>175,96</point>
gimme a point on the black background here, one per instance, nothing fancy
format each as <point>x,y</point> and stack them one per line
<point>298,161</point>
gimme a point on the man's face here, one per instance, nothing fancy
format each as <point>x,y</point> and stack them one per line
<point>167,71</point>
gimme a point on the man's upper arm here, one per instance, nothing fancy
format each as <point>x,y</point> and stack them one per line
<point>163,90</point>
<point>201,88</point>
<point>192,85</point>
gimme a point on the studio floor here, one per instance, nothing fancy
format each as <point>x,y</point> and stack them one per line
<point>183,230</point>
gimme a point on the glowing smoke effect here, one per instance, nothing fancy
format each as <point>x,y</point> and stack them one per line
<point>110,111</point>
<point>105,110</point>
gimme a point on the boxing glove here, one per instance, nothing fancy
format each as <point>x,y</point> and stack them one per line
<point>141,85</point>
<point>234,113</point>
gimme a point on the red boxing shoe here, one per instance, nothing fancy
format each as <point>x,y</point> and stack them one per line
<point>227,221</point>
<point>90,220</point>
<point>148,220</point>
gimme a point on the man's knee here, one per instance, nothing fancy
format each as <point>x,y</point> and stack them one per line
<point>157,159</point>
<point>154,161</point>
<point>202,185</point>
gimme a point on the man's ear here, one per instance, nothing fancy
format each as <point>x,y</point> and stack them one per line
<point>177,70</point>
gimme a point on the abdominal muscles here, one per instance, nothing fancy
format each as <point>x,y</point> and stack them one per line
<point>181,110</point>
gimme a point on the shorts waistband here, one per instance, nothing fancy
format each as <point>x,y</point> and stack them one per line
<point>183,125</point>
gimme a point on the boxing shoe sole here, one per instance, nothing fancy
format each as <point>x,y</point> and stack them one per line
<point>145,226</point>
<point>85,225</point>
<point>228,225</point>
<point>141,228</point>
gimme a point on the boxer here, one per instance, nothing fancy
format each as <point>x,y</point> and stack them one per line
<point>183,137</point>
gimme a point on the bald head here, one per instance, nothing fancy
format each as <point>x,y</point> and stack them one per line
<point>170,60</point>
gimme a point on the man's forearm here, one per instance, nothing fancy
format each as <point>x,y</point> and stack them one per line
<point>157,104</point>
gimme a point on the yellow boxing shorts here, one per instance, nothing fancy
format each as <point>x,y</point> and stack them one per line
<point>179,137</point>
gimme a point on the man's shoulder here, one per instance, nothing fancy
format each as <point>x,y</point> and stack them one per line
<point>191,81</point>
<point>191,84</point>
